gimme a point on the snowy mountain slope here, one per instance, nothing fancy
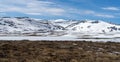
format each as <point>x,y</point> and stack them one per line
<point>12,25</point>
<point>57,29</point>
<point>62,22</point>
<point>25,24</point>
<point>92,26</point>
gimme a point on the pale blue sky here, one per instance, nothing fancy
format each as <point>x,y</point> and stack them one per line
<point>106,10</point>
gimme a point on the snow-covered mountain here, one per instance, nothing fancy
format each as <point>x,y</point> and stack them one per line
<point>63,22</point>
<point>28,25</point>
<point>93,26</point>
<point>25,24</point>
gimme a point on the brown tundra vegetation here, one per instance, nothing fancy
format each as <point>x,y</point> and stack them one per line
<point>60,51</point>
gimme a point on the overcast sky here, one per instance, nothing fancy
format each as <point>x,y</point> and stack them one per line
<point>106,10</point>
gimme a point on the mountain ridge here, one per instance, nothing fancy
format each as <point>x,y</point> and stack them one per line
<point>28,25</point>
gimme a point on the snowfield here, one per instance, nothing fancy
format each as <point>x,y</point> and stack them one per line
<point>25,28</point>
<point>101,38</point>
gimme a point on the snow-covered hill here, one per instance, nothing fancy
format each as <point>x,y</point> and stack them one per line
<point>25,24</point>
<point>28,25</point>
<point>59,29</point>
<point>63,22</point>
<point>93,26</point>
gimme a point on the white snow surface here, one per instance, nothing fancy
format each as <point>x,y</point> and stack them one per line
<point>89,30</point>
<point>95,27</point>
<point>39,38</point>
<point>12,25</point>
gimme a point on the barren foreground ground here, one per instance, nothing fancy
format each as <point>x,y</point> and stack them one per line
<point>62,51</point>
